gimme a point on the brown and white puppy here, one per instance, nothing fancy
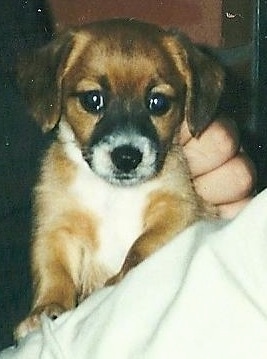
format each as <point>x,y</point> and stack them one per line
<point>114,185</point>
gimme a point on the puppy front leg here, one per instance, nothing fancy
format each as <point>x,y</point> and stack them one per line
<point>143,247</point>
<point>166,216</point>
<point>54,288</point>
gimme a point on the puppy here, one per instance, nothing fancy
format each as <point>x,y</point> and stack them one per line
<point>114,185</point>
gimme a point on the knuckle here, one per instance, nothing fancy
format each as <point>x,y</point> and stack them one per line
<point>245,174</point>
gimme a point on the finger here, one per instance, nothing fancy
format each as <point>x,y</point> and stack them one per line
<point>230,210</point>
<point>218,144</point>
<point>232,182</point>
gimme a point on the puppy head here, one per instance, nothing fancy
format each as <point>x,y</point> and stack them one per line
<point>123,88</point>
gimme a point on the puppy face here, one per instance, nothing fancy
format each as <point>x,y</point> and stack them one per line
<point>123,88</point>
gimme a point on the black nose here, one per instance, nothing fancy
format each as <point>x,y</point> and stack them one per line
<point>126,158</point>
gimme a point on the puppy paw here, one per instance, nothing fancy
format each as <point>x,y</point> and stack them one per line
<point>33,322</point>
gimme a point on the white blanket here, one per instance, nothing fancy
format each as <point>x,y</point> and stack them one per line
<point>204,295</point>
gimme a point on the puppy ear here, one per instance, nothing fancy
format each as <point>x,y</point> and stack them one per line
<point>40,75</point>
<point>204,81</point>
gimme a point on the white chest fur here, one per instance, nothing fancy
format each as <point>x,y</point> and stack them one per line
<point>119,212</point>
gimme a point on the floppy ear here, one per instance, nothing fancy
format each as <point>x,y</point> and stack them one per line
<point>204,81</point>
<point>40,75</point>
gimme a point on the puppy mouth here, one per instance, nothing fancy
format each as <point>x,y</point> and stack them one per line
<point>123,159</point>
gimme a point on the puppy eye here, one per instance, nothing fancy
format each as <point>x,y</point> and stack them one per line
<point>92,101</point>
<point>158,104</point>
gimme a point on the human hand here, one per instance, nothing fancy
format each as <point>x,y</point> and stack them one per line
<point>222,173</point>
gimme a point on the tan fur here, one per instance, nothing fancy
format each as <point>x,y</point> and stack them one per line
<point>128,60</point>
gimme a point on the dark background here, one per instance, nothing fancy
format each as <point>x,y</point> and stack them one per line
<point>22,26</point>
